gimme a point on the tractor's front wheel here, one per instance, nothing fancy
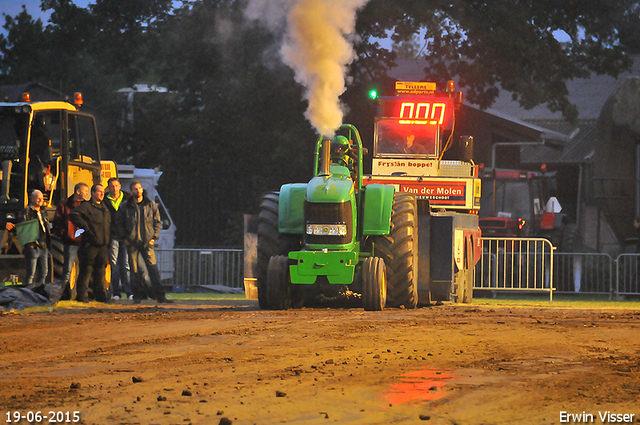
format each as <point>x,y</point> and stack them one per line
<point>374,284</point>
<point>278,285</point>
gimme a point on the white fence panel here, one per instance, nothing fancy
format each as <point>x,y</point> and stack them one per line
<point>516,264</point>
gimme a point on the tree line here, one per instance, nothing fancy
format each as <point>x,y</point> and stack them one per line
<point>232,125</point>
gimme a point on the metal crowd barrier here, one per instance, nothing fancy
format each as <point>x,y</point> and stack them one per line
<point>194,267</point>
<point>627,275</point>
<point>507,264</point>
<point>516,264</point>
<point>520,264</point>
<point>584,273</point>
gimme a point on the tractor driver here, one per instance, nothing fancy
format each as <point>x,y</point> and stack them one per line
<point>339,149</point>
<point>410,147</point>
<point>341,154</point>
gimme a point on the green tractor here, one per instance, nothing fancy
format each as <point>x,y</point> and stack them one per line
<point>336,231</point>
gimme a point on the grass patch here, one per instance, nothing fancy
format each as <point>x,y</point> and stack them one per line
<point>204,296</point>
<point>502,299</point>
<point>559,300</point>
<point>211,298</point>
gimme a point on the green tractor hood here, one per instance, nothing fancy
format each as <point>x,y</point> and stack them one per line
<point>336,187</point>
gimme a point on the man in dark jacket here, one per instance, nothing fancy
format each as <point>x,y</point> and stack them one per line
<point>139,225</point>
<point>114,200</point>
<point>66,230</point>
<point>95,219</point>
<point>36,253</point>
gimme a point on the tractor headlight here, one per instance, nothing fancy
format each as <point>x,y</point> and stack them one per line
<point>327,229</point>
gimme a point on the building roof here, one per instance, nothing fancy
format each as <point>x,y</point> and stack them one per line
<point>545,133</point>
<point>588,94</point>
<point>579,148</point>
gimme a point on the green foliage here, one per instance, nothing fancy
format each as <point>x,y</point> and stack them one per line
<point>509,44</point>
<point>237,128</point>
<point>232,124</point>
<point>23,49</point>
<point>629,30</point>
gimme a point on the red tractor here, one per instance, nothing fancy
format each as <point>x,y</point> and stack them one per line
<point>516,204</point>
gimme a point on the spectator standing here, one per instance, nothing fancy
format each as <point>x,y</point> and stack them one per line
<point>139,225</point>
<point>118,258</point>
<point>66,230</point>
<point>36,253</point>
<point>94,217</point>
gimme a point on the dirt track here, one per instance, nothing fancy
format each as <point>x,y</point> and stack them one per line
<point>202,363</point>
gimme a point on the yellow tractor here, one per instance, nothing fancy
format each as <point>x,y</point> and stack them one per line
<point>49,146</point>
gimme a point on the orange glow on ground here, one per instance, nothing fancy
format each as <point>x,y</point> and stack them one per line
<point>422,385</point>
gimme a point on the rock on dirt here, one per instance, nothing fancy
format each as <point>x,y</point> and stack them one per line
<point>444,364</point>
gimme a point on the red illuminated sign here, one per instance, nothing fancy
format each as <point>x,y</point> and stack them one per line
<point>418,111</point>
<point>450,193</point>
<point>423,111</point>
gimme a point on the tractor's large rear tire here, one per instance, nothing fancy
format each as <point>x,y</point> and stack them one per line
<point>72,288</point>
<point>565,275</point>
<point>278,284</point>
<point>270,242</point>
<point>399,250</point>
<point>108,289</point>
<point>374,284</point>
<point>569,241</point>
<point>57,253</point>
<point>70,292</point>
